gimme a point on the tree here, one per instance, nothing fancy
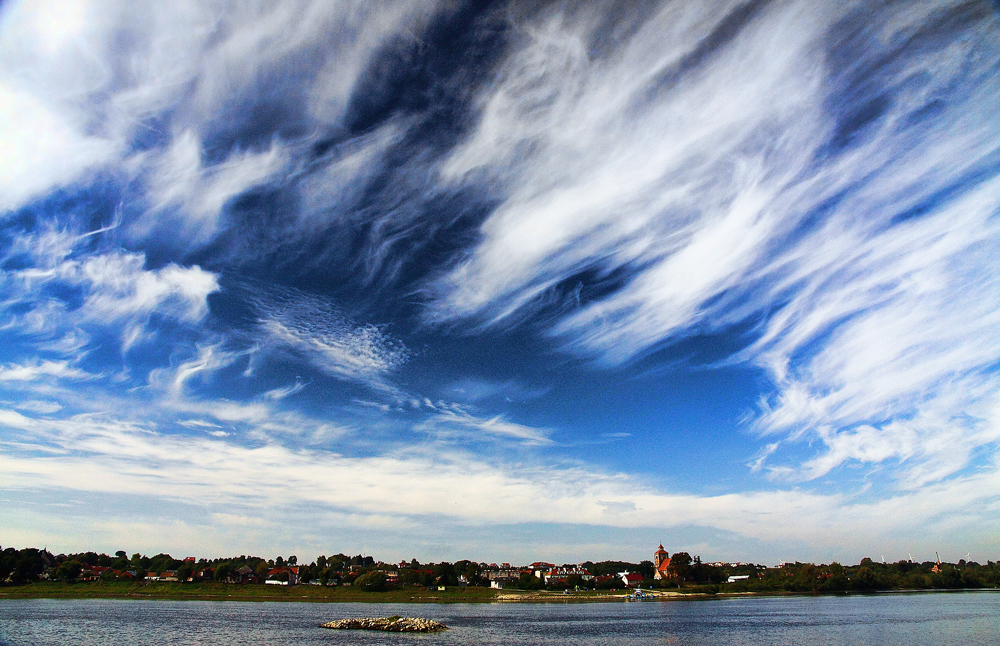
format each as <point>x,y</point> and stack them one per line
<point>864,578</point>
<point>371,582</point>
<point>28,566</point>
<point>411,577</point>
<point>262,569</point>
<point>185,571</point>
<point>680,564</point>
<point>222,572</point>
<point>445,573</point>
<point>646,569</point>
<point>69,570</point>
<point>162,562</point>
<point>528,581</point>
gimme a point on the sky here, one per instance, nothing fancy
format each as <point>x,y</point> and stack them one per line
<point>504,281</point>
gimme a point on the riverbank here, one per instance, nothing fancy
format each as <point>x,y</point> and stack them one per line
<point>320,594</point>
<point>307,593</point>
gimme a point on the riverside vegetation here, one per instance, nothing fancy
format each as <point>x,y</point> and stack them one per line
<point>31,572</point>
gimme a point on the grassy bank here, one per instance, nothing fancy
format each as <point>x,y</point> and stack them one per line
<point>227,592</point>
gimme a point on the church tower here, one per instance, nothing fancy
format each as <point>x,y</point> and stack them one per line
<point>659,557</point>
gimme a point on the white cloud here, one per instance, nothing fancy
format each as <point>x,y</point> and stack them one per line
<point>360,354</point>
<point>40,369</point>
<point>116,288</point>
<point>78,91</point>
<point>313,328</point>
<point>209,360</point>
<point>38,406</point>
<point>41,149</point>
<point>105,456</point>
<point>121,287</point>
<point>716,193</point>
<point>460,424</point>
<point>180,180</point>
<point>599,173</point>
<point>278,394</point>
<point>197,424</point>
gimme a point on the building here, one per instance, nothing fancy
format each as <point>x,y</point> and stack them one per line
<point>561,574</point>
<point>539,568</point>
<point>243,575</point>
<point>283,576</point>
<point>661,564</point>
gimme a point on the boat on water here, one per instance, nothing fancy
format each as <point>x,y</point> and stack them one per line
<point>639,595</point>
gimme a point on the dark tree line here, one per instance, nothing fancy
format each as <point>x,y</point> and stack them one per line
<point>31,564</point>
<point>870,576</point>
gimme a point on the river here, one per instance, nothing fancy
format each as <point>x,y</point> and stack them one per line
<point>931,619</point>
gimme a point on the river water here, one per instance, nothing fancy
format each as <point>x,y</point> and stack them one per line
<point>931,619</point>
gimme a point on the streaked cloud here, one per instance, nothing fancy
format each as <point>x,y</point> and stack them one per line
<point>488,236</point>
<point>40,369</point>
<point>463,425</point>
<point>886,317</point>
<point>297,322</point>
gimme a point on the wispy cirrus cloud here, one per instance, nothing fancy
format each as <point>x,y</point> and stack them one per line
<point>456,423</point>
<point>41,369</point>
<point>688,183</point>
<point>188,195</point>
<point>812,185</point>
<point>315,329</point>
<point>115,288</point>
<point>189,62</point>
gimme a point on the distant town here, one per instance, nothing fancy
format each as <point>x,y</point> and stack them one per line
<point>665,571</point>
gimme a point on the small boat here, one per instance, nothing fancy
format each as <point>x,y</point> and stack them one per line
<point>638,595</point>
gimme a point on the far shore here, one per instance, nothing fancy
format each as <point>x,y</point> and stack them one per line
<point>319,594</point>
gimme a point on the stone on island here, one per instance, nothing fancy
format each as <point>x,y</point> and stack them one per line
<point>388,624</point>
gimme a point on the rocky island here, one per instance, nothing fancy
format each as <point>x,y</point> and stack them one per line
<point>388,624</point>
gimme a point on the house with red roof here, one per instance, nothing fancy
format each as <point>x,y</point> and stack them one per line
<point>92,572</point>
<point>283,576</point>
<point>560,574</point>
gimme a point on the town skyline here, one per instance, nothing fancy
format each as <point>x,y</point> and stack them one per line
<point>501,277</point>
<point>35,572</point>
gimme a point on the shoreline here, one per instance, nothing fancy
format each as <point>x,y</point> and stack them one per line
<point>315,594</point>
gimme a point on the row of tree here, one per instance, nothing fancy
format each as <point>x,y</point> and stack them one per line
<point>31,564</point>
<point>869,575</point>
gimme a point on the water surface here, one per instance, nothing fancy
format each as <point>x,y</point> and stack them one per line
<point>933,619</point>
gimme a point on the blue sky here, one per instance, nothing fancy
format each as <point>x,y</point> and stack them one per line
<point>501,280</point>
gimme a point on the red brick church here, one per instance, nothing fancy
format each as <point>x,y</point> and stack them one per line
<point>661,564</point>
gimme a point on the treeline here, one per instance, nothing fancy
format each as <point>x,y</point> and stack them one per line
<point>870,576</point>
<point>364,572</point>
<point>31,564</point>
